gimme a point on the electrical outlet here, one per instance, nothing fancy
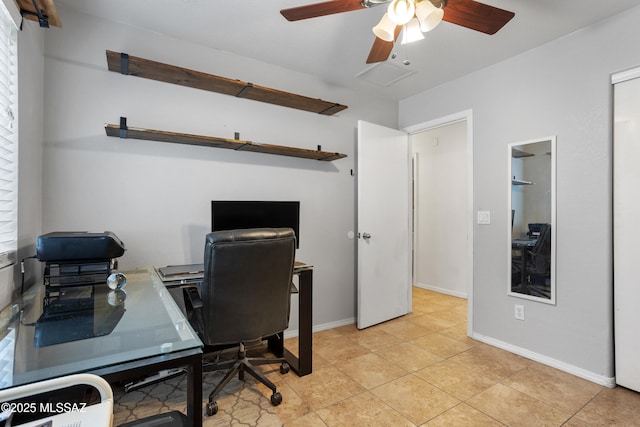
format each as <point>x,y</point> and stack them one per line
<point>518,311</point>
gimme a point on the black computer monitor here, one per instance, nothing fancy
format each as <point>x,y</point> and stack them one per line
<point>240,214</point>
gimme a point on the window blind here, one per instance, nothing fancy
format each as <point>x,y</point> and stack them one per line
<point>8,138</point>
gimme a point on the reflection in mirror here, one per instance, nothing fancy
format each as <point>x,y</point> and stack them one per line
<point>532,226</point>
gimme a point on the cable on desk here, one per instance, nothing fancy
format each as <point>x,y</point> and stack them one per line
<point>22,271</point>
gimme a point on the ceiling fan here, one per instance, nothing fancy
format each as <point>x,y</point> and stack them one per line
<point>416,16</point>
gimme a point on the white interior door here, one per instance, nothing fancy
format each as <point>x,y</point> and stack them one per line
<point>626,234</point>
<point>384,244</point>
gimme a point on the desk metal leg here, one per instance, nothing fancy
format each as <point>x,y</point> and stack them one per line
<point>194,393</point>
<point>305,322</point>
<point>301,365</point>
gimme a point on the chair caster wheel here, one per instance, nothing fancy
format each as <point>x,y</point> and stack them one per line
<point>276,399</point>
<point>284,368</point>
<point>212,407</point>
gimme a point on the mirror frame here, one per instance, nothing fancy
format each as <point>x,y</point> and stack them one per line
<point>552,299</point>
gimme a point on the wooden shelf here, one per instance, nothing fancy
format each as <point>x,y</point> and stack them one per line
<point>148,69</point>
<point>519,153</point>
<point>47,9</point>
<point>515,181</point>
<point>122,131</point>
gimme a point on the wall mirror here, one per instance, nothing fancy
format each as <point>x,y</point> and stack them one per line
<point>532,209</point>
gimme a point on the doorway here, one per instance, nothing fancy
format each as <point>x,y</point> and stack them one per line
<point>443,206</point>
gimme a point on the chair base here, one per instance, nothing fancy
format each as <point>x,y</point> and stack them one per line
<point>239,366</point>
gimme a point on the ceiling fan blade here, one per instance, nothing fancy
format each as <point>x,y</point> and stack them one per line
<point>381,49</point>
<point>321,9</point>
<point>476,16</point>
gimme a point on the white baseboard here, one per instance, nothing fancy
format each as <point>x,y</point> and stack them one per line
<point>317,328</point>
<point>441,290</point>
<point>609,382</point>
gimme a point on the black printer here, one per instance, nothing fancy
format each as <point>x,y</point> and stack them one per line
<point>78,257</point>
<point>77,265</point>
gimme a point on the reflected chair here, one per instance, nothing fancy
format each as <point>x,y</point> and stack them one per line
<point>537,260</point>
<point>244,298</point>
<point>540,257</point>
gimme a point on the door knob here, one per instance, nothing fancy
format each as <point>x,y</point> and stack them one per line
<point>366,235</point>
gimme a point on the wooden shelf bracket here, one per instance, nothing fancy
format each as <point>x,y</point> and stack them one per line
<point>124,132</point>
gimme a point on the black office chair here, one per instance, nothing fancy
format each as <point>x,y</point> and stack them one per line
<point>538,265</point>
<point>244,298</point>
<point>541,256</point>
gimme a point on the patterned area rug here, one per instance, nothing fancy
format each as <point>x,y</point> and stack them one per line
<point>242,403</point>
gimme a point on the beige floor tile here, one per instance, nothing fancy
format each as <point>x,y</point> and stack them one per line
<point>370,370</point>
<point>441,344</point>
<point>404,329</point>
<point>431,323</point>
<point>375,338</point>
<point>459,332</point>
<point>512,407</point>
<point>491,362</point>
<point>362,410</point>
<point>415,399</point>
<point>614,407</point>
<point>310,420</point>
<point>463,416</point>
<point>324,338</point>
<point>324,387</point>
<point>318,361</point>
<point>339,348</point>
<point>292,406</point>
<point>457,380</point>
<point>427,305</point>
<point>409,357</point>
<point>456,314</point>
<point>566,395</point>
<point>347,329</point>
<point>445,300</point>
<point>585,385</point>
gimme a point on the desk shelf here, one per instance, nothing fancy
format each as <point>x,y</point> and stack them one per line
<point>122,131</point>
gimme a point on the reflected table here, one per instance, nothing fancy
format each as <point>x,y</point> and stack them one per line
<point>118,335</point>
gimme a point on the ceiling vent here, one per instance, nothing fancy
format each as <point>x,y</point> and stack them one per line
<point>385,74</point>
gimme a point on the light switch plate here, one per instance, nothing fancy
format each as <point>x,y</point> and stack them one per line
<point>484,217</point>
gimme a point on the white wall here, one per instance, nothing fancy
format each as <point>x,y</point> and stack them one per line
<point>156,196</point>
<point>441,211</point>
<point>563,89</point>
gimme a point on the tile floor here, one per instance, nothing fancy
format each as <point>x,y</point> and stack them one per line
<point>418,370</point>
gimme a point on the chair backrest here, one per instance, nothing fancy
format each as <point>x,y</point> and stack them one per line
<point>246,286</point>
<point>542,250</point>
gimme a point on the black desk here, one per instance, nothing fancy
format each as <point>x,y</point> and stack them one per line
<point>144,334</point>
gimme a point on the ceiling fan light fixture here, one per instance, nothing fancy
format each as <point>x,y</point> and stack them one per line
<point>385,29</point>
<point>401,11</point>
<point>428,15</point>
<point>412,32</point>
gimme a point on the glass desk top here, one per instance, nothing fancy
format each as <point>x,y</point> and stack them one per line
<point>45,335</point>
